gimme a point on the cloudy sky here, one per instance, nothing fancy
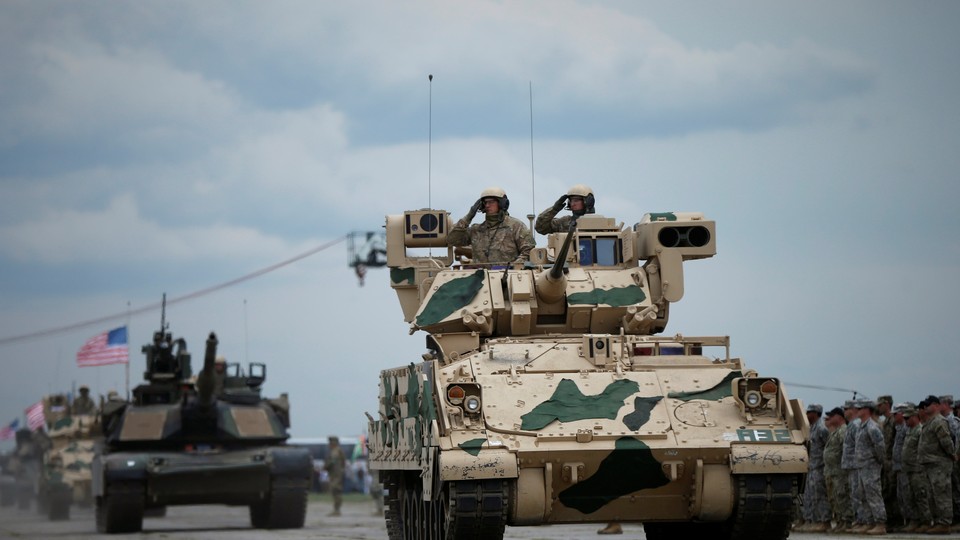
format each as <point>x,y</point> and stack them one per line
<point>165,147</point>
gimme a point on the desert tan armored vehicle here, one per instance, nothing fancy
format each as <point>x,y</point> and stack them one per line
<point>209,439</point>
<point>65,477</point>
<point>546,397</point>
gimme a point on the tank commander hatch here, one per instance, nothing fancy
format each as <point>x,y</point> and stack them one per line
<point>578,199</point>
<point>83,404</point>
<point>500,239</point>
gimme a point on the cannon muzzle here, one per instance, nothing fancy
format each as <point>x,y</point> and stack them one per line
<point>205,380</point>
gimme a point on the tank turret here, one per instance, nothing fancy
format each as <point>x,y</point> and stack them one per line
<point>209,439</point>
<point>548,394</point>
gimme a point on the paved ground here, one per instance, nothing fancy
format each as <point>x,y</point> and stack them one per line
<point>233,523</point>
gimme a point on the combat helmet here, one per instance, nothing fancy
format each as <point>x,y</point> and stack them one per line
<point>497,193</point>
<point>582,190</point>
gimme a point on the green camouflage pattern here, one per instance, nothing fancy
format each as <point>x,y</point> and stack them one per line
<point>617,296</point>
<point>721,390</point>
<point>498,242</point>
<point>450,297</point>
<point>546,223</point>
<point>569,404</point>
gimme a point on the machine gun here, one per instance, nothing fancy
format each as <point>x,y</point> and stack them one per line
<point>168,365</point>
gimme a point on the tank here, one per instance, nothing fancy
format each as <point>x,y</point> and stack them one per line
<point>208,439</point>
<point>548,393</point>
<point>69,444</point>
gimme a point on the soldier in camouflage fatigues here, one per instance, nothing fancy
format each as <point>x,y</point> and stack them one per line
<point>816,508</point>
<point>946,409</point>
<point>83,404</point>
<point>500,239</point>
<point>899,477</point>
<point>888,477</point>
<point>335,466</point>
<point>918,497</point>
<point>849,460</point>
<point>937,454</point>
<point>838,487</point>
<point>579,200</point>
<point>870,454</point>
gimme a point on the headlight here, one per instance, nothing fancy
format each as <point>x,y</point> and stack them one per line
<point>752,398</point>
<point>472,404</point>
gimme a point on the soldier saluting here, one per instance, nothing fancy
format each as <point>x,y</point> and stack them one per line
<point>578,199</point>
<point>500,239</point>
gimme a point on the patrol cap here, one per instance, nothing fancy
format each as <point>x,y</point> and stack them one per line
<point>885,399</point>
<point>849,404</point>
<point>932,399</point>
<point>946,399</point>
<point>909,411</point>
<point>84,387</point>
<point>836,411</point>
<point>866,404</point>
<point>813,407</point>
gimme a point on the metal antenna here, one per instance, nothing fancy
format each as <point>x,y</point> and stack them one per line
<point>533,189</point>
<point>430,144</point>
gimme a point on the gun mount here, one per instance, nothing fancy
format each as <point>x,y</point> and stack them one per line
<point>546,394</point>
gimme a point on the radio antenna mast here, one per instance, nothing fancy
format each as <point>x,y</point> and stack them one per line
<point>430,144</point>
<point>533,189</point>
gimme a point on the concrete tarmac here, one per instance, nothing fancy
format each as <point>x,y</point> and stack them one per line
<point>233,523</point>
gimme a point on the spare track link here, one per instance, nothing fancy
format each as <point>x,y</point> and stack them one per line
<point>765,506</point>
<point>478,509</point>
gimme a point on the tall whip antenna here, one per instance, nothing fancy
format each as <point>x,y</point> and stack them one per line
<point>533,189</point>
<point>430,145</point>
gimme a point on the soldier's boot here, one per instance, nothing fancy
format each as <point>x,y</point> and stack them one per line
<point>922,528</point>
<point>939,528</point>
<point>858,528</point>
<point>910,527</point>
<point>611,528</point>
<point>878,529</point>
<point>840,527</point>
<point>818,527</point>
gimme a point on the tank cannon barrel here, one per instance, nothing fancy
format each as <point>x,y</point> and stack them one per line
<point>552,284</point>
<point>205,380</point>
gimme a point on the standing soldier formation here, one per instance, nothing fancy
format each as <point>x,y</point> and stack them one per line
<point>886,468</point>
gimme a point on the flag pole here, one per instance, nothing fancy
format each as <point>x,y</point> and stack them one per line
<point>126,366</point>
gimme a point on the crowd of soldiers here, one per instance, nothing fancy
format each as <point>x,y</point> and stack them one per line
<point>876,467</point>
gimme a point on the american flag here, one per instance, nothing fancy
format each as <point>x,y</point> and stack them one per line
<point>34,414</point>
<point>10,431</point>
<point>106,348</point>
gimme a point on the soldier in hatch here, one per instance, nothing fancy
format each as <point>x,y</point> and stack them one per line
<point>579,200</point>
<point>500,239</point>
<point>82,404</point>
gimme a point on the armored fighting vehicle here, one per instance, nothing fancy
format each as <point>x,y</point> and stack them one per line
<point>546,395</point>
<point>65,477</point>
<point>209,439</point>
<point>21,468</point>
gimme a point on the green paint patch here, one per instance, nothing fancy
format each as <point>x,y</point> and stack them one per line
<point>642,406</point>
<point>663,216</point>
<point>399,275</point>
<point>721,390</point>
<point>630,467</point>
<point>619,296</point>
<point>472,446</point>
<point>568,404</point>
<point>413,392</point>
<point>450,297</point>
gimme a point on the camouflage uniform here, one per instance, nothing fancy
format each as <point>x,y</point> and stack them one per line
<point>546,223</point>
<point>838,486</point>
<point>816,508</point>
<point>500,239</point>
<point>954,424</point>
<point>919,499</point>
<point>849,464</point>
<point>888,476</point>
<point>936,451</point>
<point>82,404</point>
<point>335,465</point>
<point>900,477</point>
<point>870,454</point>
